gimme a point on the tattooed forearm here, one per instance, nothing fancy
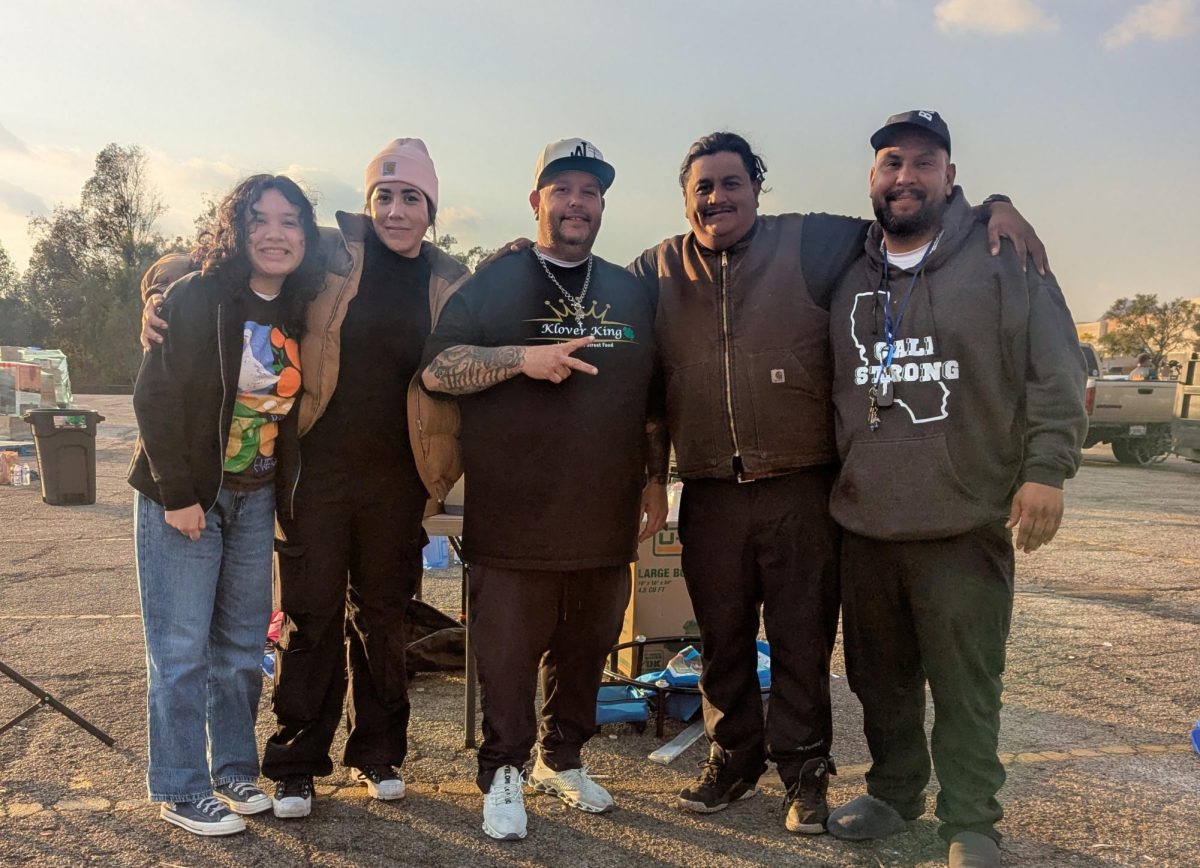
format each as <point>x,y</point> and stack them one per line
<point>658,450</point>
<point>461,370</point>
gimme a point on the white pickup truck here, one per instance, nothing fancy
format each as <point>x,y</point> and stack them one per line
<point>1134,416</point>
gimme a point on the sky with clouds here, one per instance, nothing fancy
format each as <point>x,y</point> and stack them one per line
<point>1084,111</point>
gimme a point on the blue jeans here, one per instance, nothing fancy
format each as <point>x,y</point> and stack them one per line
<point>205,609</point>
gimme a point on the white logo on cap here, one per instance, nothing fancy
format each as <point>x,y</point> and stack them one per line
<point>927,116</point>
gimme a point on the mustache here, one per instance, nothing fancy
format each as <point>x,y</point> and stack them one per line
<point>893,195</point>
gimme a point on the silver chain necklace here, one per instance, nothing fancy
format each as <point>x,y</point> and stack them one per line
<point>575,301</point>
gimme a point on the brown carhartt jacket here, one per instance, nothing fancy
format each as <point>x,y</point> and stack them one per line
<point>433,420</point>
<point>744,342</point>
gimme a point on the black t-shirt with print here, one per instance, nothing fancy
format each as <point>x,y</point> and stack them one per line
<point>268,386</point>
<point>554,472</point>
<point>365,426</point>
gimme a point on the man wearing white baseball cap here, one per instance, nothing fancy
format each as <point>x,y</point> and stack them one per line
<point>551,353</point>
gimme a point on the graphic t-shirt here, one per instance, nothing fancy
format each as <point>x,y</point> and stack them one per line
<point>268,384</point>
<point>554,472</point>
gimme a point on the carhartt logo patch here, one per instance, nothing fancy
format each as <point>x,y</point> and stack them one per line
<point>777,375</point>
<point>389,168</point>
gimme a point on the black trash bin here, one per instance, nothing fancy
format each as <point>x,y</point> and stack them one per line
<point>66,452</point>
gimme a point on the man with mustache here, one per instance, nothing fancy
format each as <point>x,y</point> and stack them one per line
<point>958,391</point>
<point>742,326</point>
<point>551,352</point>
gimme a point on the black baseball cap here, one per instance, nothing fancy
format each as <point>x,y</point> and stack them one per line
<point>920,119</point>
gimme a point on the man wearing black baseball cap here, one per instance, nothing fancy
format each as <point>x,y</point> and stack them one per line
<point>921,120</point>
<point>958,391</point>
<point>551,352</point>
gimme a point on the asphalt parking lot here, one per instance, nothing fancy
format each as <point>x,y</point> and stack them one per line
<point>1102,689</point>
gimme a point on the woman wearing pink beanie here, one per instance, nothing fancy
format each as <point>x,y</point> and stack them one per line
<point>351,559</point>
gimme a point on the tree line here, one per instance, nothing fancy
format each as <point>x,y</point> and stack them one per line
<point>79,293</point>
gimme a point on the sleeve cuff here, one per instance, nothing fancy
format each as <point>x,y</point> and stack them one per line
<point>1045,476</point>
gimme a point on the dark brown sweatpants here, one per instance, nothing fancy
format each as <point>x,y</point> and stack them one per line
<point>556,626</point>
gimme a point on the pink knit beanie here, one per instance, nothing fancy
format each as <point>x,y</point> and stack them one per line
<point>407,161</point>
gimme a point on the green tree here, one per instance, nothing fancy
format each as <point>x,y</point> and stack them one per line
<point>19,325</point>
<point>86,263</point>
<point>121,204</point>
<point>1145,325</point>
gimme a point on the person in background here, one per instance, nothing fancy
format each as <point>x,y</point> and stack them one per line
<point>214,403</point>
<point>1145,370</point>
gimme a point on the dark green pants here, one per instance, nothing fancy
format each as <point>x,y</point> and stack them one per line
<point>936,611</point>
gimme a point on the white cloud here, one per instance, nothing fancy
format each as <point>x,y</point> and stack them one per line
<point>1159,20</point>
<point>458,220</point>
<point>9,142</point>
<point>992,17</point>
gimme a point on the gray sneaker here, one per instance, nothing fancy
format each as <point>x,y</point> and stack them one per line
<point>242,797</point>
<point>205,816</point>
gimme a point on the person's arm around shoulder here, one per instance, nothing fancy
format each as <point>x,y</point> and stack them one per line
<point>155,282</point>
<point>1056,420</point>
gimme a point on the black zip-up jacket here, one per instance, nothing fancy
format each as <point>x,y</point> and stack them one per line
<point>184,398</point>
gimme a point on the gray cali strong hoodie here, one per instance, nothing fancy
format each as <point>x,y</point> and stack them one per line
<point>988,386</point>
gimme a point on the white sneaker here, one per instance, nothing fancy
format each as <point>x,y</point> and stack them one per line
<point>573,786</point>
<point>504,806</point>
<point>382,782</point>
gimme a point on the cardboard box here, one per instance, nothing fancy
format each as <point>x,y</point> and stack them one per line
<point>27,401</point>
<point>29,377</point>
<point>50,386</point>
<point>14,428</point>
<point>659,604</point>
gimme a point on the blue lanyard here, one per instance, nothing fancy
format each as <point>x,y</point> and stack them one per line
<point>891,330</point>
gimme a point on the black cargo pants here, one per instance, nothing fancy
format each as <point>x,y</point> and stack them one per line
<point>769,543</point>
<point>349,565</point>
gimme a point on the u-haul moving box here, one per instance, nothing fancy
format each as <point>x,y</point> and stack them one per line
<point>659,604</point>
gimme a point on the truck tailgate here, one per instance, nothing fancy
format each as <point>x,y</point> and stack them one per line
<point>1134,402</point>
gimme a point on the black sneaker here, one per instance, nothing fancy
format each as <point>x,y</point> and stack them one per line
<point>205,816</point>
<point>807,807</point>
<point>293,796</point>
<point>716,787</point>
<point>382,782</point>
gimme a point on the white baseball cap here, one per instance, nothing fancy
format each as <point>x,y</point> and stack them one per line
<point>572,154</point>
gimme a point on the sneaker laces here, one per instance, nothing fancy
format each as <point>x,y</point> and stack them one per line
<point>296,785</point>
<point>242,789</point>
<point>210,806</point>
<point>378,773</point>
<point>506,791</point>
<point>712,770</point>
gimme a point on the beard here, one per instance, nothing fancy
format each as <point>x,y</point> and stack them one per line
<point>561,241</point>
<point>920,222</point>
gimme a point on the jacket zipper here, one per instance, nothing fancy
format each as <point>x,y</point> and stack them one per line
<point>296,481</point>
<point>220,412</point>
<point>728,358</point>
